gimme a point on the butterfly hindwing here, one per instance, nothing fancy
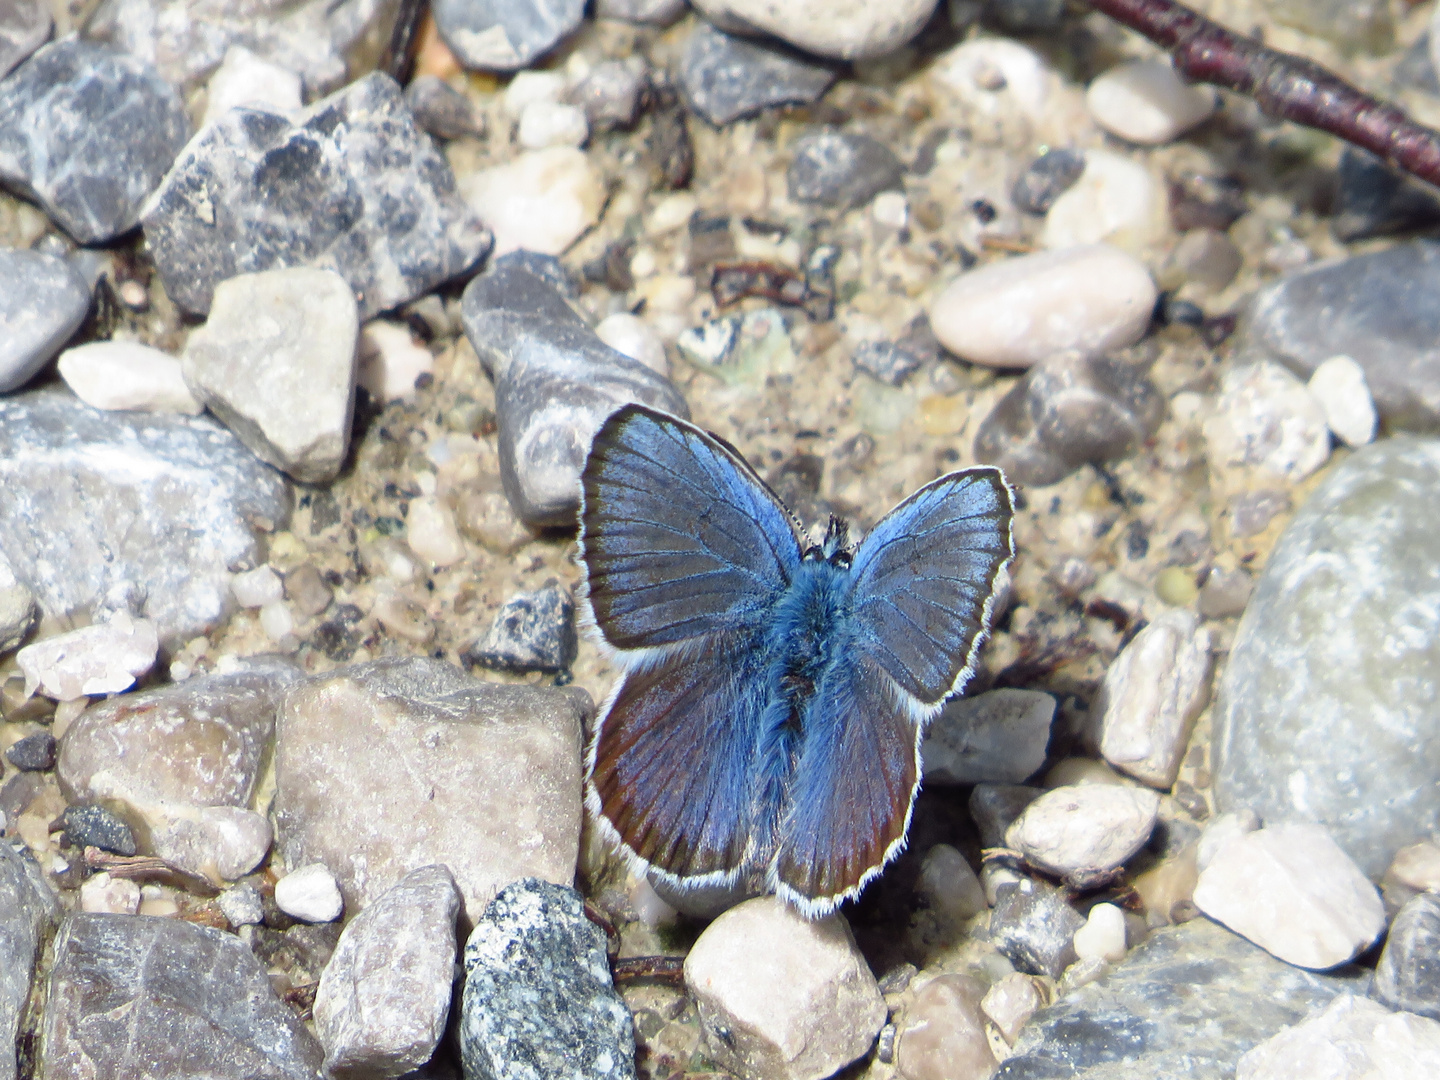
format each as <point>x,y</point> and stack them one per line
<point>680,537</point>
<point>925,577</point>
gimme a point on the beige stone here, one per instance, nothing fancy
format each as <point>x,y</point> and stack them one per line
<point>1084,832</point>
<point>944,1033</point>
<point>1352,1039</point>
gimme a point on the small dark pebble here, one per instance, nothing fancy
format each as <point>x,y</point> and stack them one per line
<point>672,154</point>
<point>612,267</point>
<point>1170,312</point>
<point>441,109</point>
<point>1376,199</point>
<point>33,753</point>
<point>533,631</point>
<point>1047,178</point>
<point>1025,16</point>
<point>887,361</point>
<point>91,825</point>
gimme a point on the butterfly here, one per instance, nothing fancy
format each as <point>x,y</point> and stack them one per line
<point>766,726</point>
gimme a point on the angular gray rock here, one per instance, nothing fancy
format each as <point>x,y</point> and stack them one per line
<point>42,302</point>
<point>1374,308</point>
<point>840,170</point>
<point>276,363</point>
<point>1047,178</point>
<point>555,383</point>
<point>17,608</point>
<point>724,77</point>
<point>132,995</point>
<point>28,912</point>
<point>352,186</point>
<point>539,1003</point>
<point>533,631</point>
<point>1186,1002</point>
<point>24,26</point>
<point>505,35</point>
<point>1408,975</point>
<point>1325,710</point>
<point>88,132</point>
<point>385,994</point>
<point>153,507</point>
<point>1034,927</point>
<point>998,737</point>
<point>441,109</point>
<point>388,766</point>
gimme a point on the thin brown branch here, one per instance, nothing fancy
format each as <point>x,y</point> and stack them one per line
<point>1284,86</point>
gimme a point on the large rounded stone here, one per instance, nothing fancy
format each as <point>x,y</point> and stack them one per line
<point>1326,709</point>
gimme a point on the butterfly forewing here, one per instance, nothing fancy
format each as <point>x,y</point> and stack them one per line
<point>924,577</point>
<point>681,538</point>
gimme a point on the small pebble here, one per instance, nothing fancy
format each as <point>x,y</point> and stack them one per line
<point>91,825</point>
<point>1084,832</point>
<point>1252,511</point>
<point>1103,935</point>
<point>611,94</point>
<point>541,200</point>
<point>843,29</point>
<point>391,361</point>
<point>33,753</point>
<point>1220,830</point>
<point>442,110</point>
<point>1416,866</point>
<point>101,892</point>
<point>1225,593</point>
<point>1047,178</point>
<point>1176,585</point>
<point>1266,420</point>
<point>431,532</point>
<point>1011,1002</point>
<point>485,515</point>
<point>1373,198</point>
<point>944,1032</point>
<point>43,301</point>
<point>724,77</point>
<point>533,631</point>
<point>549,123</point>
<point>258,587</point>
<point>949,883</point>
<point>1208,258</point>
<point>637,339</point>
<point>993,807</point>
<point>840,170</point>
<point>886,361</point>
<point>1408,974</point>
<point>307,591</point>
<point>243,78</point>
<point>505,35</point>
<point>1339,385</point>
<point>310,894</point>
<point>995,76</point>
<point>1116,199</point>
<point>1145,102</point>
<point>127,375</point>
<point>104,658</point>
<point>226,840</point>
<point>242,905</point>
<point>1034,927</point>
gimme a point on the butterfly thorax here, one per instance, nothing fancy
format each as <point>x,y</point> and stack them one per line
<point>808,633</point>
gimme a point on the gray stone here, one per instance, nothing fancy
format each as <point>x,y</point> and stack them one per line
<point>1026,16</point>
<point>994,806</point>
<point>1047,178</point>
<point>1375,308</point>
<point>42,302</point>
<point>225,842</point>
<point>91,825</point>
<point>533,631</point>
<point>724,77</point>
<point>1408,975</point>
<point>24,26</point>
<point>1034,927</point>
<point>242,905</point>
<point>385,994</point>
<point>888,361</point>
<point>88,132</point>
<point>276,363</point>
<point>1067,411</point>
<point>442,110</point>
<point>539,1003</point>
<point>1187,1002</point>
<point>658,12</point>
<point>555,383</point>
<point>505,35</point>
<point>1325,708</point>
<point>547,268</point>
<point>841,170</point>
<point>17,608</point>
<point>435,767</point>
<point>157,505</point>
<point>188,39</point>
<point>160,998</point>
<point>996,737</point>
<point>1376,199</point>
<point>1252,511</point>
<point>1225,593</point>
<point>28,912</point>
<point>33,752</point>
<point>611,94</point>
<point>352,186</point>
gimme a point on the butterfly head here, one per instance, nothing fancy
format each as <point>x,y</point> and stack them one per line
<point>835,548</point>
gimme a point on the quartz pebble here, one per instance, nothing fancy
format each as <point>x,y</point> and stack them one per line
<point>42,302</point>
<point>541,200</point>
<point>1322,711</point>
<point>533,631</point>
<point>999,81</point>
<point>1084,832</point>
<point>1146,102</point>
<point>1207,258</point>
<point>1266,420</point>
<point>88,132</point>
<point>258,587</point>
<point>1091,299</point>
<point>384,996</point>
<point>944,1032</point>
<point>1352,1039</point>
<point>439,768</point>
<point>841,170</point>
<point>1103,935</point>
<point>225,842</point>
<point>24,26</point>
<point>28,913</point>
<point>1291,889</point>
<point>310,894</point>
<point>1339,385</point>
<point>1415,869</point>
<point>637,339</point>
<point>538,990</point>
<point>102,659</point>
<point>782,997</point>
<point>1034,927</point>
<point>1408,974</point>
<point>442,110</point>
<point>555,382</point>
<point>242,905</point>
<point>1151,696</point>
<point>276,362</point>
<point>243,78</point>
<point>486,516</point>
<point>993,807</point>
<point>725,77</point>
<point>844,29</point>
<point>390,361</point>
<point>996,737</point>
<point>1115,199</point>
<point>1047,178</point>
<point>102,892</point>
<point>432,534</point>
<point>1010,1003</point>
<point>363,192</point>
<point>1225,593</point>
<point>127,375</point>
<point>549,123</point>
<point>949,884</point>
<point>505,35</point>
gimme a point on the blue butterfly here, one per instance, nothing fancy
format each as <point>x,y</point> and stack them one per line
<point>766,728</point>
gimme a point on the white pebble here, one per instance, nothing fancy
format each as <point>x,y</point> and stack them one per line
<point>1266,419</point>
<point>432,534</point>
<point>102,659</point>
<point>652,911</point>
<point>1011,1002</point>
<point>1115,199</point>
<point>637,339</point>
<point>843,29</point>
<point>390,361</point>
<point>127,375</point>
<point>890,210</point>
<point>241,905</point>
<point>1103,935</point>
<point>258,587</point>
<point>1085,831</point>
<point>1145,102</point>
<point>246,79</point>
<point>996,74</point>
<point>276,620</point>
<point>1291,890</point>
<point>950,884</point>
<point>669,214</point>
<point>528,87</point>
<point>548,123</point>
<point>1014,313</point>
<point>310,894</point>
<point>1339,386</point>
<point>541,200</point>
<point>1220,830</point>
<point>101,892</point>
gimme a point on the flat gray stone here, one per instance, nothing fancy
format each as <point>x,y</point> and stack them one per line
<point>1374,308</point>
<point>841,170</point>
<point>539,1002</point>
<point>555,383</point>
<point>154,507</point>
<point>724,77</point>
<point>42,303</point>
<point>505,35</point>
<point>1187,1002</point>
<point>137,996</point>
<point>88,132</point>
<point>352,186</point>
<point>1325,711</point>
<point>1034,926</point>
<point>28,912</point>
<point>533,631</point>
<point>998,737</point>
<point>24,26</point>
<point>388,766</point>
<point>1408,975</point>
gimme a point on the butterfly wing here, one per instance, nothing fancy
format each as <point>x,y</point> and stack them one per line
<point>679,536</point>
